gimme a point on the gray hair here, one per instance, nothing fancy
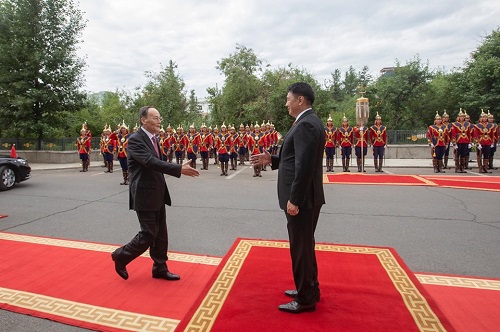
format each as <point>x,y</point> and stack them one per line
<point>143,112</point>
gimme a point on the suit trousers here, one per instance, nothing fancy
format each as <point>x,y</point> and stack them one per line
<point>301,230</point>
<point>153,235</point>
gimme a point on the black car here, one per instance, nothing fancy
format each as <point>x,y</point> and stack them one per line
<point>12,171</point>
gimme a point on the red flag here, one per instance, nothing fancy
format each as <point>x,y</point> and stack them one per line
<point>13,153</point>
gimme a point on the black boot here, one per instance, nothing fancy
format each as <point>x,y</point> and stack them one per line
<point>491,164</point>
<point>486,163</point>
<point>462,165</point>
<point>440,166</point>
<point>125,175</point>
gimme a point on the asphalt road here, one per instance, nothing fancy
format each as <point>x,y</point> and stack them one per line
<point>434,230</point>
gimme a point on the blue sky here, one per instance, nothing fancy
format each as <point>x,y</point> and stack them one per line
<point>124,39</point>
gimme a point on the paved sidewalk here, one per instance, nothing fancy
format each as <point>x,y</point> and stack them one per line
<point>394,163</point>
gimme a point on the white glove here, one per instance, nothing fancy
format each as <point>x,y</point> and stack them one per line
<point>431,145</point>
<point>479,147</point>
<point>492,145</point>
<point>455,147</point>
<point>469,146</point>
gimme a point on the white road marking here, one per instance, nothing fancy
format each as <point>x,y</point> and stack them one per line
<point>229,177</point>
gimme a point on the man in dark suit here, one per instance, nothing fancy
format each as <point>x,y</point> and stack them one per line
<point>300,192</point>
<point>148,194</point>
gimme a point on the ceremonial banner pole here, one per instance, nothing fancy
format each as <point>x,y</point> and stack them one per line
<point>362,115</point>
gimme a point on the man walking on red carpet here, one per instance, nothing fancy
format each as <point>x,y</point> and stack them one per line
<point>148,194</point>
<point>300,193</point>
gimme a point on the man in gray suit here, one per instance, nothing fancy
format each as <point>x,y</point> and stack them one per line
<point>148,194</point>
<point>300,193</point>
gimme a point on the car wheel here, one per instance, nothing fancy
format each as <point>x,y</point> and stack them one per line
<point>7,178</point>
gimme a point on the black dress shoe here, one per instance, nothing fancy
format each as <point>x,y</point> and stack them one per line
<point>295,308</point>
<point>119,268</point>
<point>166,275</point>
<point>293,293</point>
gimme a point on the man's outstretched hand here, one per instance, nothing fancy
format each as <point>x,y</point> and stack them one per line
<point>261,158</point>
<point>188,170</point>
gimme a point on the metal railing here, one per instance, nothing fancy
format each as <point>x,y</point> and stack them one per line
<point>47,144</point>
<point>413,137</point>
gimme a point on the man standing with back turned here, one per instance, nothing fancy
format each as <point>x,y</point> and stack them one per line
<point>148,194</point>
<point>300,193</point>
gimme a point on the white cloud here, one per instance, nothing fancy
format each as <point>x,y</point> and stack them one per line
<point>126,38</point>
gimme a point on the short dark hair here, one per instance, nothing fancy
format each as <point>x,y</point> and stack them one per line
<point>302,89</point>
<point>143,112</point>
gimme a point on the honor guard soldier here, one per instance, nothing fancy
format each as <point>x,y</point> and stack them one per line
<point>378,140</point>
<point>345,140</point>
<point>275,139</point>
<point>206,143</point>
<point>264,129</point>
<point>194,140</point>
<point>101,145</point>
<point>223,146</point>
<point>169,133</point>
<point>179,142</point>
<point>215,135</point>
<point>109,148</point>
<point>165,142</point>
<point>162,137</point>
<point>256,145</point>
<point>438,137</point>
<point>243,144</point>
<point>467,159</point>
<point>249,131</point>
<point>361,147</point>
<point>484,138</point>
<point>83,145</point>
<point>461,139</point>
<point>233,152</point>
<point>491,119</point>
<point>331,143</point>
<point>123,137</point>
<point>447,124</point>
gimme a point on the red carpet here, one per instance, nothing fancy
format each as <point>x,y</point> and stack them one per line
<point>491,183</point>
<point>362,289</point>
<point>75,283</point>
<point>470,304</point>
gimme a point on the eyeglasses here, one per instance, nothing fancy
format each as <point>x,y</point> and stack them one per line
<point>157,118</point>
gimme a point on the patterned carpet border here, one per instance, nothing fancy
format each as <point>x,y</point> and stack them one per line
<point>206,314</point>
<point>179,257</point>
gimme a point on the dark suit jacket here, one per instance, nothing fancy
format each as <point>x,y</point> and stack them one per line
<point>300,163</point>
<point>147,187</point>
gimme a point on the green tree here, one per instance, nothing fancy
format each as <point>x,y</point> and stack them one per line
<point>480,81</point>
<point>401,98</point>
<point>193,110</point>
<point>40,73</point>
<point>241,86</point>
<point>165,91</point>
